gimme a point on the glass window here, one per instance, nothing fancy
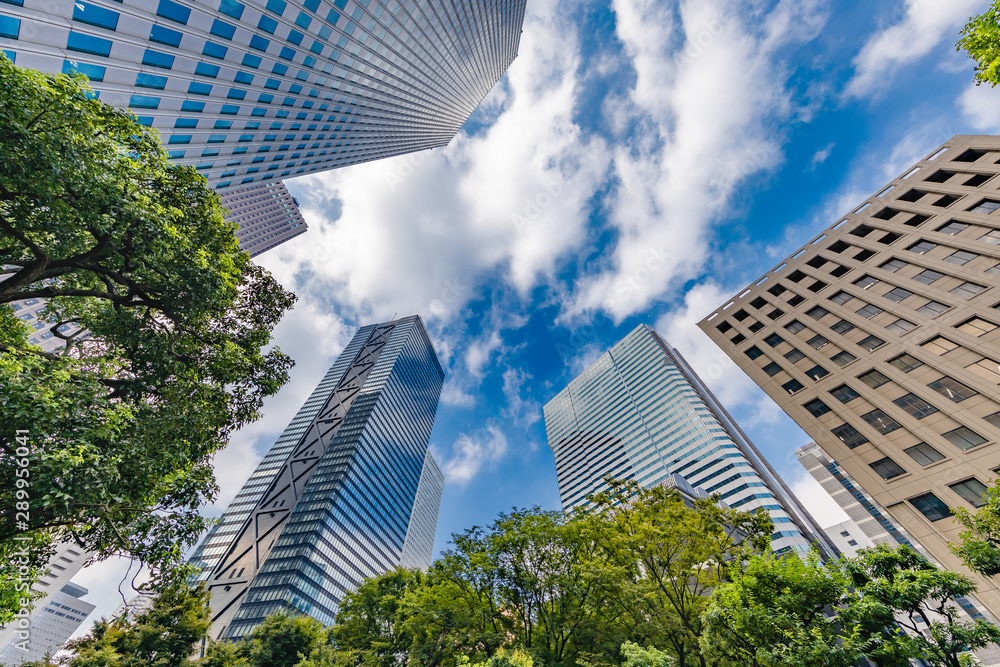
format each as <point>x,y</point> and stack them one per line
<point>186,123</point>
<point>901,326</point>
<point>173,11</point>
<point>794,356</point>
<point>893,265</point>
<point>753,352</point>
<point>78,41</point>
<point>869,311</point>
<point>987,369</point>
<point>939,345</point>
<point>843,358</point>
<point>881,422</point>
<point>198,88</point>
<point>871,343</point>
<point>10,28</point>
<point>144,102</point>
<point>267,24</point>
<point>231,8</point>
<point>928,277</point>
<point>992,237</point>
<point>244,77</point>
<point>276,6</point>
<point>223,29</point>
<point>873,378</point>
<point>844,394</point>
<point>251,60</point>
<point>964,438</point>
<point>817,341</point>
<point>972,491</point>
<point>906,362</point>
<point>817,372</point>
<point>849,435</point>
<point>841,298</point>
<point>772,368</point>
<point>915,406</point>
<point>179,139</point>
<point>922,247</point>
<point>774,340</point>
<point>931,507</point>
<point>157,59</point>
<point>952,227</point>
<point>795,326</point>
<point>143,80</point>
<point>817,408</point>
<point>897,294</point>
<point>216,138</point>
<point>204,69</point>
<point>866,281</point>
<point>994,270</point>
<point>165,35</point>
<point>818,313</point>
<point>967,290</point>
<point>92,72</point>
<point>259,43</point>
<point>84,12</point>
<point>993,419</point>
<point>977,326</point>
<point>287,52</point>
<point>887,468</point>
<point>986,206</point>
<point>236,94</point>
<point>842,327</point>
<point>189,105</point>
<point>933,309</point>
<point>924,454</point>
<point>960,257</point>
<point>792,386</point>
<point>303,20</point>
<point>213,50</point>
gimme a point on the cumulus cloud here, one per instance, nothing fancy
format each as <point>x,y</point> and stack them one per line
<point>817,501</point>
<point>981,107</point>
<point>521,410</point>
<point>472,452</point>
<point>924,24</point>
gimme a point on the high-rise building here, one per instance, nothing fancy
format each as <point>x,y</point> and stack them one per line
<point>641,413</point>
<point>267,215</point>
<point>257,90</point>
<point>55,622</point>
<point>881,338</point>
<point>349,490</point>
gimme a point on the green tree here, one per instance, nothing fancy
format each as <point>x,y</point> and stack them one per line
<point>170,318</point>
<point>981,40</point>
<point>980,547</point>
<point>283,640</point>
<point>637,656</point>
<point>505,658</point>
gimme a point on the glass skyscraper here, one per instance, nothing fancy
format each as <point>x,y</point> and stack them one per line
<point>349,490</point>
<point>254,90</point>
<point>641,413</point>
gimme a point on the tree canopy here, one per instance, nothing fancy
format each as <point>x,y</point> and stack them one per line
<point>981,40</point>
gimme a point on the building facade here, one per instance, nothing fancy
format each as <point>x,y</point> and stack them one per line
<point>266,213</point>
<point>641,413</point>
<point>881,338</point>
<point>348,491</point>
<point>56,621</point>
<point>258,90</point>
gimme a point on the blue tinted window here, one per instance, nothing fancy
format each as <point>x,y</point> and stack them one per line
<point>311,5</point>
<point>295,37</point>
<point>264,149</point>
<point>146,120</point>
<point>287,53</point>
<point>257,111</point>
<point>275,126</point>
<point>188,105</point>
<point>259,43</point>
<point>273,84</point>
<point>305,105</point>
<point>223,29</point>
<point>270,137</point>
<point>204,69</point>
<point>84,12</point>
<point>214,50</point>
<point>256,160</point>
<point>246,137</point>
<point>281,114</point>
<point>303,20</point>
<point>295,89</point>
<point>324,31</point>
<point>223,124</point>
<point>197,88</point>
<point>210,152</point>
<point>236,94</point>
<point>231,8</point>
<point>288,102</point>
<point>265,98</point>
<point>332,17</point>
<point>78,41</point>
<point>164,35</point>
<point>302,75</point>
<point>276,6</point>
<point>92,72</point>
<point>144,102</point>
<point>173,11</point>
<point>267,24</point>
<point>251,61</point>
<point>186,122</point>
<point>317,46</point>
<point>216,138</point>
<point>252,125</point>
<point>150,81</point>
<point>279,69</point>
<point>244,77</point>
<point>204,165</point>
<point>157,59</point>
<point>309,61</point>
<point>230,109</point>
<point>175,155</point>
<point>223,185</point>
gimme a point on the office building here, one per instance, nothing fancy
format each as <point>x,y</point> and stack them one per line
<point>880,337</point>
<point>258,90</point>
<point>267,215</point>
<point>348,491</point>
<point>641,413</point>
<point>51,627</point>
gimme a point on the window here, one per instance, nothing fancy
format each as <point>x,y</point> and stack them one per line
<point>10,27</point>
<point>869,311</point>
<point>922,247</point>
<point>986,206</point>
<point>871,343</point>
<point>976,327</point>
<point>931,507</point>
<point>276,6</point>
<point>960,257</point>
<point>818,313</point>
<point>842,327</point>
<point>887,468</point>
<point>849,435</point>
<point>898,294</point>
<point>843,358</point>
<point>928,277</point>
<point>993,419</point>
<point>244,77</point>
<point>893,265</point>
<point>901,326</point>
<point>994,270</point>
<point>933,309</point>
<point>754,352</point>
<point>795,326</point>
<point>84,12</point>
<point>915,406</point>
<point>737,339</point>
<point>197,88</point>
<point>964,438</point>
<point>213,50</point>
<point>774,340</point>
<point>189,105</point>
<point>143,80</point>
<point>92,72</point>
<point>844,394</point>
<point>157,59</point>
<point>251,60</point>
<point>817,408</point>
<point>143,102</point>
<point>972,491</point>
<point>967,290</point>
<point>952,228</point>
<point>939,346</point>
<point>772,368</point>
<point>794,356</point>
<point>259,43</point>
<point>818,341</point>
<point>817,372</point>
<point>866,281</point>
<point>231,8</point>
<point>841,298</point>
<point>204,69</point>
<point>992,237</point>
<point>173,11</point>
<point>223,29</point>
<point>906,362</point>
<point>792,386</point>
<point>754,326</point>
<point>186,123</point>
<point>924,454</point>
<point>881,422</point>
<point>179,139</point>
<point>77,41</point>
<point>987,369</point>
<point>874,378</point>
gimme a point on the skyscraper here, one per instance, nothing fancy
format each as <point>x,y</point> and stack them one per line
<point>267,215</point>
<point>881,338</point>
<point>56,620</point>
<point>255,90</point>
<point>347,492</point>
<point>641,413</point>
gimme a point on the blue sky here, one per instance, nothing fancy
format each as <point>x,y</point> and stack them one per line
<point>640,162</point>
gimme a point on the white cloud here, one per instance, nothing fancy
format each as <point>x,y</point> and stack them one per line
<point>817,501</point>
<point>924,25</point>
<point>981,106</point>
<point>522,411</point>
<point>821,156</point>
<point>470,453</point>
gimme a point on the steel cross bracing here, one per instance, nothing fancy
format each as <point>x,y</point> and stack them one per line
<point>231,578</point>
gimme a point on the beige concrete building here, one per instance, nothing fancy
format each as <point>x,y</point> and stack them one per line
<point>880,338</point>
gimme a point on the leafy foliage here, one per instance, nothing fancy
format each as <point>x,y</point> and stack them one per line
<point>980,547</point>
<point>981,40</point>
